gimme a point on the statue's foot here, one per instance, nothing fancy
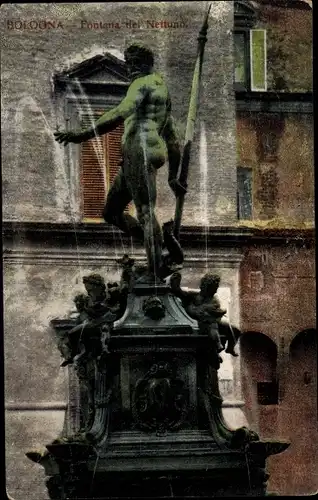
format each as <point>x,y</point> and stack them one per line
<point>36,455</point>
<point>168,227</point>
<point>168,269</point>
<point>67,362</point>
<point>231,351</point>
<point>149,279</point>
<point>110,317</point>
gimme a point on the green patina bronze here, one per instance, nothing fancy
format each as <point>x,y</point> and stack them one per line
<point>149,140</point>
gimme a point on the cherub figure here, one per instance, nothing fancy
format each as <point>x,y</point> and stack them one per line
<point>96,295</point>
<point>95,314</point>
<point>205,307</point>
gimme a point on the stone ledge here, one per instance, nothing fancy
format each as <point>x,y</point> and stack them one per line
<point>274,102</point>
<point>83,257</point>
<point>38,406</point>
<point>80,233</point>
<point>68,234</point>
<point>61,405</point>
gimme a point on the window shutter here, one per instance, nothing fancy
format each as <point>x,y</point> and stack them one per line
<point>113,153</point>
<point>240,58</point>
<point>93,175</point>
<point>244,193</point>
<point>113,156</point>
<point>100,158</point>
<point>258,60</point>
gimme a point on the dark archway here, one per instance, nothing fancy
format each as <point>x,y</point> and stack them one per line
<point>300,410</point>
<point>302,373</point>
<point>306,338</point>
<point>259,381</point>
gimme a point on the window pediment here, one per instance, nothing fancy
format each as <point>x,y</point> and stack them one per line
<point>101,69</point>
<point>245,14</point>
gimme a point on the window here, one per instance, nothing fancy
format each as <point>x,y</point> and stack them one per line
<point>84,91</point>
<point>250,60</point>
<point>244,193</point>
<point>99,163</point>
<point>249,50</point>
<point>240,58</point>
<point>267,393</point>
<point>258,60</point>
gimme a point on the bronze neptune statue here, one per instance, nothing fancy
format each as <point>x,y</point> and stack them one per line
<point>148,141</point>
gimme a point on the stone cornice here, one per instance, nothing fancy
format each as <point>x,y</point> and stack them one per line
<point>97,258</point>
<point>274,102</point>
<point>69,236</point>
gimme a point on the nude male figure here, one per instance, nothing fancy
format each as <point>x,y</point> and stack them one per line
<point>148,141</point>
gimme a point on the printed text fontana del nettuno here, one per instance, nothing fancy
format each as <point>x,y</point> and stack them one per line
<point>43,24</point>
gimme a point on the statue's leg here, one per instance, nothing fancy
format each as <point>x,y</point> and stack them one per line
<point>214,335</point>
<point>231,342</point>
<point>171,243</point>
<point>118,198</point>
<point>144,196</point>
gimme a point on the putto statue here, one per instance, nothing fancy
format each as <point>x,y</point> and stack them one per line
<point>95,313</point>
<point>149,140</point>
<point>205,307</point>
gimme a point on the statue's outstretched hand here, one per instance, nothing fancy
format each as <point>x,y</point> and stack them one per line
<point>177,187</point>
<point>66,137</point>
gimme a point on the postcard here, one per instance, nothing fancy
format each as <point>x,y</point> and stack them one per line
<point>159,264</point>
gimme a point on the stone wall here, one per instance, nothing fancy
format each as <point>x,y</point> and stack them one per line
<point>277,289</point>
<point>289,46</point>
<point>278,319</point>
<point>278,147</point>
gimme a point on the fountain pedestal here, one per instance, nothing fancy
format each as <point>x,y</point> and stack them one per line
<point>157,428</point>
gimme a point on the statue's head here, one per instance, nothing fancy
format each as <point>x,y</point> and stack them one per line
<point>139,59</point>
<point>95,285</point>
<point>126,261</point>
<point>111,285</point>
<point>113,291</point>
<point>154,308</point>
<point>80,301</point>
<point>209,284</point>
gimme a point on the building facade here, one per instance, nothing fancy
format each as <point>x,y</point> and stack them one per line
<point>248,213</point>
<point>275,160</point>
